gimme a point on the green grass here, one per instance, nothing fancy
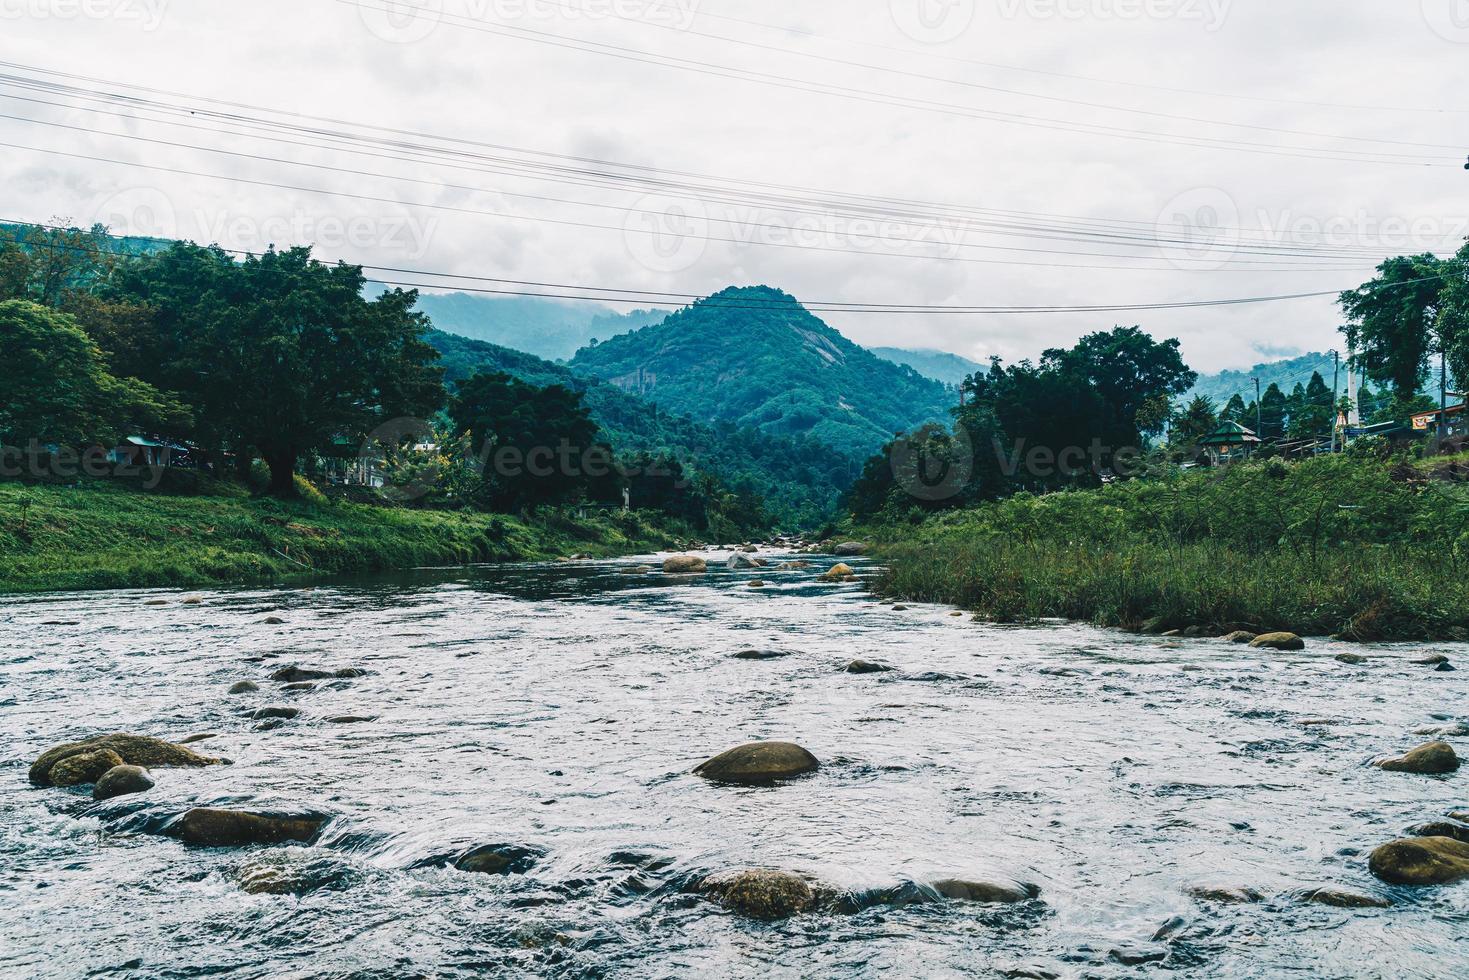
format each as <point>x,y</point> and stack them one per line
<point>106,535</point>
<point>1364,549</point>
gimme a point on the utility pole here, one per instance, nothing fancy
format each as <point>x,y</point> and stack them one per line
<point>1259,418</point>
<point>1335,408</point>
<point>1443,392</point>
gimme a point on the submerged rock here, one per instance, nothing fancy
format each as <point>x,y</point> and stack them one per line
<point>1278,641</point>
<point>866,667</point>
<point>1433,759</point>
<point>349,719</point>
<point>791,566</point>
<point>244,687</point>
<point>849,548</point>
<point>1226,894</point>
<point>840,572</point>
<point>499,859</point>
<point>1432,660</point>
<point>760,654</point>
<point>84,767</point>
<point>1342,899</point>
<point>899,607</point>
<point>200,737</point>
<point>137,750</point>
<point>293,872</point>
<point>757,583</point>
<point>214,827</point>
<point>1239,636</point>
<point>1355,659</point>
<point>121,781</point>
<point>684,564</point>
<point>1442,828</point>
<point>273,621</point>
<point>296,675</point>
<point>958,889</point>
<point>260,714</point>
<point>759,764</point>
<point>761,894</point>
<point>1421,861</point>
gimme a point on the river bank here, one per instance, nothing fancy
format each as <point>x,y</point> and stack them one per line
<point>1360,549</point>
<point>102,535</point>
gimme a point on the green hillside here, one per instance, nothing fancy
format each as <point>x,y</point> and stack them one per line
<point>799,478</point>
<point>1220,387</point>
<point>755,357</point>
<point>937,364</point>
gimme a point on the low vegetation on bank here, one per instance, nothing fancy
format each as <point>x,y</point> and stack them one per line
<point>105,534</point>
<point>1361,547</point>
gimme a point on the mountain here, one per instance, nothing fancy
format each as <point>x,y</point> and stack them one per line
<point>799,478</point>
<point>937,364</point>
<point>755,357</point>
<point>1220,387</point>
<point>542,327</point>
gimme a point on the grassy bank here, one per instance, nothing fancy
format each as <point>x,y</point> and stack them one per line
<point>106,535</point>
<point>1365,549</point>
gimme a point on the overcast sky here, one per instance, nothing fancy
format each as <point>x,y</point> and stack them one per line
<point>1356,68</point>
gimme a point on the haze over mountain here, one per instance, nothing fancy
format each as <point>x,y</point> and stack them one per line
<point>541,327</point>
<point>937,364</point>
<point>1285,373</point>
<point>754,356</point>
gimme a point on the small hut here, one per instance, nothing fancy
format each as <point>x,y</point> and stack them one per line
<point>1228,439</point>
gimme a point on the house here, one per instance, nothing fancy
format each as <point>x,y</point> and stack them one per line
<point>140,450</point>
<point>1458,421</point>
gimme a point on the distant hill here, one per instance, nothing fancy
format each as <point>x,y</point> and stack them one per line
<point>1220,387</point>
<point>755,357</point>
<point>542,327</point>
<point>799,478</point>
<point>937,364</point>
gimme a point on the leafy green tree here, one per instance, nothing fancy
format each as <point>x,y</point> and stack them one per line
<point>1453,325</point>
<point>1235,410</point>
<point>1312,414</point>
<point>58,388</point>
<point>1393,323</point>
<point>1195,422</point>
<point>1130,371</point>
<point>1273,412</point>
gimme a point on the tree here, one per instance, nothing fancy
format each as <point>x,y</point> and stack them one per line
<point>1235,410</point>
<point>1129,370</point>
<point>281,353</point>
<point>1453,325</point>
<point>1273,411</point>
<point>1314,414</point>
<point>58,388</point>
<point>1196,421</point>
<point>1393,321</point>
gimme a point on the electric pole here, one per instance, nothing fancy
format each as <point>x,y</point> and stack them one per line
<point>1335,408</point>
<point>1259,418</point>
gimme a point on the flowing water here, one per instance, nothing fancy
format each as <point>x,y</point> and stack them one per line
<point>562,707</point>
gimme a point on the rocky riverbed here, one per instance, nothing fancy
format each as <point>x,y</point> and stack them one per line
<point>607,769</point>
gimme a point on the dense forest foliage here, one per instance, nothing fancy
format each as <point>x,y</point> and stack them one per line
<point>756,358</point>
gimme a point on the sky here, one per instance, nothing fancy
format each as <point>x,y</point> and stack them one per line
<point>1039,153</point>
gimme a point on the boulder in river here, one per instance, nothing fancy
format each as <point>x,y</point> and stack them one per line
<point>965,890</point>
<point>684,565</point>
<point>1442,828</point>
<point>761,894</point>
<point>792,566</point>
<point>757,583</point>
<point>260,714</point>
<point>1226,894</point>
<point>840,572</point>
<point>1432,660</point>
<point>1341,898</point>
<point>297,675</point>
<point>759,764</point>
<point>1433,759</point>
<point>1239,636</point>
<point>1421,861</point>
<point>215,827</point>
<point>1354,659</point>
<point>244,687</point>
<point>273,621</point>
<point>121,781</point>
<point>84,767</point>
<point>866,667</point>
<point>137,750</point>
<point>293,871</point>
<point>759,654</point>
<point>742,561</point>
<point>849,548</point>
<point>499,859</point>
<point>1278,641</point>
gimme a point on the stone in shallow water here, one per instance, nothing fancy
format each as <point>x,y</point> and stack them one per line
<point>293,871</point>
<point>840,572</point>
<point>1341,898</point>
<point>260,714</point>
<point>244,687</point>
<point>1442,828</point>
<point>1421,861</point>
<point>761,894</point>
<point>1278,641</point>
<point>1432,660</point>
<point>499,859</point>
<point>84,767</point>
<point>121,781</point>
<point>216,827</point>
<point>1433,759</point>
<point>137,750</point>
<point>1355,659</point>
<point>295,675</point>
<point>759,764</point>
<point>866,667</point>
<point>684,564</point>
<point>753,654</point>
<point>1226,894</point>
<point>1239,636</point>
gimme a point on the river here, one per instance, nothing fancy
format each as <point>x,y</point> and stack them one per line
<point>561,708</point>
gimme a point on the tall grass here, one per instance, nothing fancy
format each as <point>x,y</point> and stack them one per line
<point>1365,549</point>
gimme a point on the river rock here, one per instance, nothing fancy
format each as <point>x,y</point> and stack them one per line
<point>273,621</point>
<point>213,827</point>
<point>757,583</point>
<point>261,714</point>
<point>349,719</point>
<point>499,859</point>
<point>297,675</point>
<point>1421,861</point>
<point>192,600</point>
<point>963,890</point>
<point>1239,636</point>
<point>759,764</point>
<point>866,667</point>
<point>293,871</point>
<point>849,549</point>
<point>244,687</point>
<point>1354,659</point>
<point>1226,894</point>
<point>1442,828</point>
<point>299,687</point>
<point>136,750</point>
<point>120,781</point>
<point>84,767</point>
<point>684,565</point>
<point>1445,668</point>
<point>761,894</point>
<point>742,561</point>
<point>1432,660</point>
<point>1278,641</point>
<point>754,654</point>
<point>792,566</point>
<point>840,572</point>
<point>1433,759</point>
<point>197,737</point>
<point>1340,898</point>
<point>1460,815</point>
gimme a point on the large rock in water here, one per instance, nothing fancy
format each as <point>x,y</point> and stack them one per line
<point>84,767</point>
<point>761,894</point>
<point>213,827</point>
<point>120,781</point>
<point>684,564</point>
<point>1278,641</point>
<point>849,548</point>
<point>840,572</point>
<point>499,859</point>
<point>135,750</point>
<point>1421,861</point>
<point>759,764</point>
<point>1433,759</point>
<point>1239,636</point>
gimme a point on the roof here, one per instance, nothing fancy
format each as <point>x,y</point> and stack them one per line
<point>1229,434</point>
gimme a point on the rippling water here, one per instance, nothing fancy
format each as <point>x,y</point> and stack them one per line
<point>562,706</point>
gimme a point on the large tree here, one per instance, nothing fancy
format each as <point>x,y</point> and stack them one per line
<point>1393,323</point>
